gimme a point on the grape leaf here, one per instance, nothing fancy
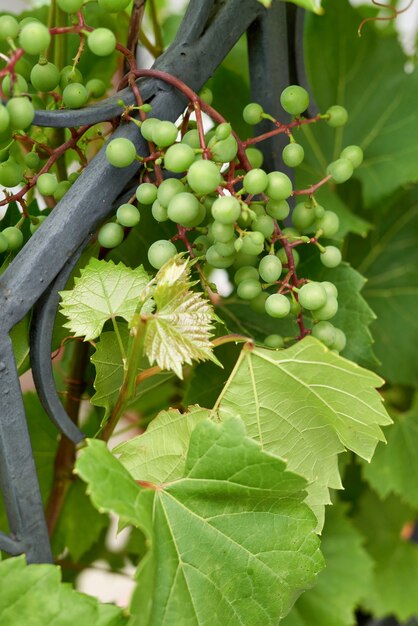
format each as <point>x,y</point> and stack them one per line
<point>159,455</point>
<point>386,525</point>
<point>395,465</point>
<point>34,594</point>
<point>103,291</point>
<point>180,329</point>
<point>107,360</point>
<point>310,5</point>
<point>232,539</point>
<point>366,75</point>
<point>299,404</point>
<point>388,259</point>
<point>340,586</point>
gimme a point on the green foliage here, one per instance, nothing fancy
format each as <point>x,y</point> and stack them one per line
<point>35,595</point>
<point>255,544</point>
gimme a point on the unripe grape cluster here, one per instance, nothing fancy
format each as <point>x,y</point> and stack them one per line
<point>208,188</point>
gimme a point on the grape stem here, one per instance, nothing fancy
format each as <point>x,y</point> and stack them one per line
<point>311,190</point>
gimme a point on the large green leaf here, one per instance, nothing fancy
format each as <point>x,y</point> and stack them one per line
<point>34,594</point>
<point>307,405</point>
<point>103,291</point>
<point>394,585</point>
<point>159,455</point>
<point>388,259</point>
<point>230,542</point>
<point>395,466</point>
<point>180,330</point>
<point>366,75</point>
<point>341,585</point>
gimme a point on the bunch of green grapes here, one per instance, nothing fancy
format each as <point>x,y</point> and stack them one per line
<point>236,216</point>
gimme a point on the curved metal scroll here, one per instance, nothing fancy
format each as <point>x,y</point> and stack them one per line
<point>209,30</point>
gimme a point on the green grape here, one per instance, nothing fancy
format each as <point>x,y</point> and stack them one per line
<point>245,273</point>
<point>14,238</point>
<point>270,268</point>
<point>330,288</point>
<point>206,95</point>
<point>113,6</point>
<point>331,257</point>
<point>218,261</point>
<point>128,215</point>
<point>47,184</point>
<point>303,216</point>
<point>338,116</point>
<point>225,150</point>
<point>33,227</point>
<point>4,155</point>
<point>101,42</point>
<point>293,154</point>
<point>11,173</point>
<point>204,177</point>
<point>278,209</point>
<point>226,210</point>
<point>319,211</point>
<point>179,158</point>
<point>223,131</point>
<point>201,244</point>
<point>191,138</point>
<point>325,332</point>
<point>258,304</point>
<point>353,154</point>
<point>248,289</point>
<point>164,134</point>
<point>9,27</point>
<point>225,248</point>
<point>264,224</point>
<point>4,119</point>
<point>73,177</point>
<point>253,113</point>
<point>61,189</point>
<point>255,157</point>
<point>34,38</point>
<point>294,99</point>
<point>222,232</point>
<point>327,311</point>
<point>258,209</point>
<point>96,87</point>
<point>243,260</point>
<point>255,181</point>
<point>110,235</point>
<point>75,96</point>
<point>279,186</point>
<point>21,112</point>
<point>252,243</point>
<point>340,170</point>
<point>312,296</point>
<point>329,224</point>
<point>339,341</point>
<point>159,213</point>
<point>70,74</point>
<point>45,77</point>
<point>120,152</point>
<point>274,341</point>
<point>4,244</point>
<point>17,87</point>
<point>168,189</point>
<point>70,6</point>
<point>295,307</point>
<point>146,193</point>
<point>32,160</point>
<point>277,305</point>
<point>183,208</point>
<point>147,127</point>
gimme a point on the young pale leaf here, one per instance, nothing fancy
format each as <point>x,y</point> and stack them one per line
<point>306,404</point>
<point>34,594</point>
<point>340,586</point>
<point>180,329</point>
<point>103,291</point>
<point>159,455</point>
<point>231,539</point>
